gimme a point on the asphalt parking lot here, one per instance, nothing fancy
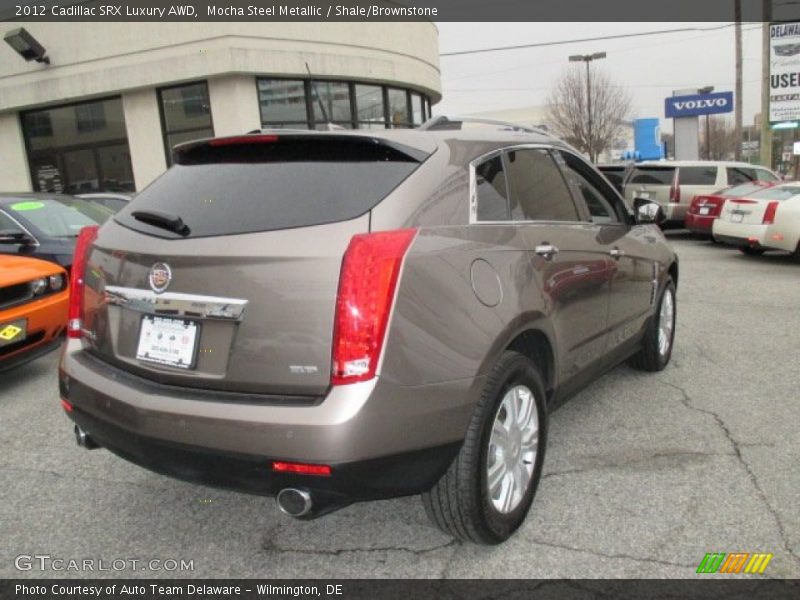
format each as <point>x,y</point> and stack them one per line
<point>644,474</point>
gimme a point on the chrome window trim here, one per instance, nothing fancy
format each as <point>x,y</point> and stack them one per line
<point>21,226</point>
<point>176,304</point>
<point>473,186</point>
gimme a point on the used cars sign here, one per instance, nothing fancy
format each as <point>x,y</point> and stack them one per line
<point>698,104</point>
<point>784,72</point>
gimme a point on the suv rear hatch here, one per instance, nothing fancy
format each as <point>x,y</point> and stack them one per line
<point>650,182</point>
<point>246,236</point>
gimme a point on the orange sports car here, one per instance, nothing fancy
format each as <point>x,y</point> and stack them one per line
<point>34,298</point>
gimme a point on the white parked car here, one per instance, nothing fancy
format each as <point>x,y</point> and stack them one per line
<point>765,220</point>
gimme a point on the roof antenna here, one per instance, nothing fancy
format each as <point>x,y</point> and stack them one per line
<point>319,99</point>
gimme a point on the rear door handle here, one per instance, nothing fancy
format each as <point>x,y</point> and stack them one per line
<point>616,253</point>
<point>546,251</point>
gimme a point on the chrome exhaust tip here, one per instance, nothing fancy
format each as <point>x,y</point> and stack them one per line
<point>84,440</point>
<point>293,502</point>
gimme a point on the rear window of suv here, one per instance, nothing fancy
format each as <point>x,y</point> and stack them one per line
<point>698,175</point>
<point>226,188</point>
<point>652,175</point>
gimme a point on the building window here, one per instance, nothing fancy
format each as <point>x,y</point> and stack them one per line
<point>38,124</point>
<point>90,117</point>
<point>185,114</point>
<point>283,103</point>
<point>334,97</point>
<point>62,158</point>
<point>417,109</point>
<point>300,103</point>
<point>370,113</point>
<point>398,108</point>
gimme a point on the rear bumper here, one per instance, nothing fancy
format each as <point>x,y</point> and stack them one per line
<point>414,430</point>
<point>386,477</point>
<point>701,224</point>
<point>674,212</point>
<point>739,234</point>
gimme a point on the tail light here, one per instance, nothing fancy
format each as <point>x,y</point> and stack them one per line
<point>367,285</point>
<point>769,214</point>
<point>86,238</point>
<point>675,189</point>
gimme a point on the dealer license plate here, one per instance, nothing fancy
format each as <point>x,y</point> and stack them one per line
<point>13,332</point>
<point>166,341</point>
<point>737,217</point>
<point>704,210</point>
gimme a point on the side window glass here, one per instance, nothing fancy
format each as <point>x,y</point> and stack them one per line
<point>589,187</point>
<point>7,223</point>
<point>538,188</point>
<point>764,175</point>
<point>492,190</point>
<point>737,175</point>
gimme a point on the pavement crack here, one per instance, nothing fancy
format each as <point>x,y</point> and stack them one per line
<point>634,462</point>
<point>612,555</point>
<point>271,547</point>
<point>686,400</point>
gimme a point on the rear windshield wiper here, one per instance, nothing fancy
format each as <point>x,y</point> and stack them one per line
<point>164,220</point>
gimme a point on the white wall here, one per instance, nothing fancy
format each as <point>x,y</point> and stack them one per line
<point>234,104</point>
<point>145,141</point>
<point>92,59</point>
<point>14,173</point>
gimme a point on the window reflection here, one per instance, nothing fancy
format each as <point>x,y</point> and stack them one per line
<point>79,148</point>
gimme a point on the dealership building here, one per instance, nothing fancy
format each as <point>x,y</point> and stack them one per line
<point>116,97</point>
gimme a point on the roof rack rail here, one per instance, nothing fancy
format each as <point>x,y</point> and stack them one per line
<point>449,123</point>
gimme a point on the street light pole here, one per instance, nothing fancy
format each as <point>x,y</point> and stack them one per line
<point>707,90</point>
<point>587,58</point>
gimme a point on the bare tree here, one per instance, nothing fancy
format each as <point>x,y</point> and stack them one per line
<point>718,142</point>
<point>568,116</point>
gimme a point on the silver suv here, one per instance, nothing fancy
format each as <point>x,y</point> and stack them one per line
<point>331,317</point>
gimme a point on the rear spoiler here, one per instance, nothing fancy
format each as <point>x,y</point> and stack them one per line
<point>295,145</point>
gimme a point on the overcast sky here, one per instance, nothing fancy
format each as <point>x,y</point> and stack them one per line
<point>652,66</point>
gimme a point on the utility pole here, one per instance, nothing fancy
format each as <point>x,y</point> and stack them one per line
<point>766,132</point>
<point>587,58</point>
<point>737,136</point>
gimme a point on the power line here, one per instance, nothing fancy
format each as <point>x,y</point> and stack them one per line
<point>590,39</point>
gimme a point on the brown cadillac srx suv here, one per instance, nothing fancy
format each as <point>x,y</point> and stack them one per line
<point>331,317</point>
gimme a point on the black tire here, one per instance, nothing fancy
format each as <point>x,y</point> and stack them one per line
<point>649,358</point>
<point>751,251</point>
<point>459,503</point>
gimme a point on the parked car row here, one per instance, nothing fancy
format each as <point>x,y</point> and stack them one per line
<point>37,242</point>
<point>673,184</point>
<point>739,204</point>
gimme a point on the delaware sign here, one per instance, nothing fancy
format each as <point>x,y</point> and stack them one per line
<point>784,72</point>
<point>698,104</point>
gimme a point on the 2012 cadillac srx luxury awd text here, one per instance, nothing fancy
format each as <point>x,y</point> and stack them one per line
<point>330,317</point>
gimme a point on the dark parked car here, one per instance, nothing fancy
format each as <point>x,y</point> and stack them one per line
<point>336,317</point>
<point>45,225</point>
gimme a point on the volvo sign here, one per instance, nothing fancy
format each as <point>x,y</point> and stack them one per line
<point>698,104</point>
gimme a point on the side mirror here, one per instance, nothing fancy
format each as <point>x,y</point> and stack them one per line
<point>17,238</point>
<point>647,212</point>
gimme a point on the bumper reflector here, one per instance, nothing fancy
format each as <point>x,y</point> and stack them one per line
<point>301,468</point>
<point>66,405</point>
